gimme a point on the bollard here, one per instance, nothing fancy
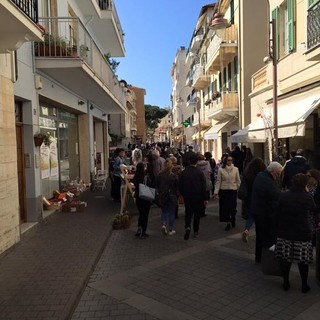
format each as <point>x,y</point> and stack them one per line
<point>318,256</point>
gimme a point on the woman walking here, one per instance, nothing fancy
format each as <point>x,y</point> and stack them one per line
<point>227,184</point>
<point>254,167</point>
<point>167,188</point>
<point>205,167</point>
<point>142,205</point>
<point>294,231</point>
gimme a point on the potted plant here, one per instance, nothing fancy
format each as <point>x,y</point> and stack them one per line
<point>40,138</point>
<point>51,46</point>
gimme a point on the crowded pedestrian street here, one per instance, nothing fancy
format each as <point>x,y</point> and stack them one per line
<point>74,266</point>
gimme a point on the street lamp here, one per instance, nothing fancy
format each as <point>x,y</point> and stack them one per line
<point>273,56</point>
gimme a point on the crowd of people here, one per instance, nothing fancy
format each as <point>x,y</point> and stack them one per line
<point>282,201</point>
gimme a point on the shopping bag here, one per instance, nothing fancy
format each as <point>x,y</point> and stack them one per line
<point>243,190</point>
<point>145,192</point>
<point>269,264</point>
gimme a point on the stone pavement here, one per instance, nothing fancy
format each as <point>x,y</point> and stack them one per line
<point>43,276</point>
<point>212,277</point>
<point>74,266</point>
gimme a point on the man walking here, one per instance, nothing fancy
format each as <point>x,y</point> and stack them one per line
<point>298,164</point>
<point>264,200</point>
<point>192,186</point>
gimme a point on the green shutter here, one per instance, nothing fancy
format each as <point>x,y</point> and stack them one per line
<point>275,15</point>
<point>312,2</point>
<point>291,25</point>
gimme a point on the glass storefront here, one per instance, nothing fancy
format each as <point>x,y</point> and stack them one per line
<point>59,152</point>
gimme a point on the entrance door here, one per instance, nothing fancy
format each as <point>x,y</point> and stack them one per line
<point>21,176</point>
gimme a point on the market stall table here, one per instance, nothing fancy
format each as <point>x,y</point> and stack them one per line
<point>127,188</point>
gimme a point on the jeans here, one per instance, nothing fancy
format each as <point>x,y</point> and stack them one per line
<point>168,213</point>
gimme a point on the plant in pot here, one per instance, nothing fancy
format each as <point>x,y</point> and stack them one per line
<point>51,46</point>
<point>40,138</point>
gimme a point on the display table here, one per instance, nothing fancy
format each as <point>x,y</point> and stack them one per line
<point>127,188</point>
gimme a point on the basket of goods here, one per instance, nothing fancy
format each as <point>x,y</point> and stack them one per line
<point>121,221</point>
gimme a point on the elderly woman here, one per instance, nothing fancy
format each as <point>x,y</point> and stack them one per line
<point>294,231</point>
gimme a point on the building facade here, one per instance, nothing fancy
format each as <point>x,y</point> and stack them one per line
<point>18,25</point>
<point>296,88</point>
<point>65,89</point>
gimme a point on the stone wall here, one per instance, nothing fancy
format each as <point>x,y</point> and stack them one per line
<point>9,200</point>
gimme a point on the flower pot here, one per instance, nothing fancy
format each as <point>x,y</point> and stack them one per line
<point>38,141</point>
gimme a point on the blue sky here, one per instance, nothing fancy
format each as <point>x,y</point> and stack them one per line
<point>154,31</point>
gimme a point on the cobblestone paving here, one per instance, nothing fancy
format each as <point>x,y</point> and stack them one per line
<point>213,277</point>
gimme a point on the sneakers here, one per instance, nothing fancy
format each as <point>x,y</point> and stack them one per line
<point>172,232</point>
<point>228,227</point>
<point>245,236</point>
<point>196,235</point>
<point>187,234</point>
<point>164,230</point>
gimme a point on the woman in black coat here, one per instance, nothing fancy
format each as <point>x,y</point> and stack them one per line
<point>294,230</point>
<point>142,205</point>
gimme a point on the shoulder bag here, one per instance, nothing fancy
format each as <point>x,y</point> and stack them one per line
<point>145,192</point>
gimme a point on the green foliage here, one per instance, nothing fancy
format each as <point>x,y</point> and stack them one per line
<point>153,116</point>
<point>112,63</point>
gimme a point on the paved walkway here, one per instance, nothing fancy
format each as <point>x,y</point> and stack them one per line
<point>75,267</point>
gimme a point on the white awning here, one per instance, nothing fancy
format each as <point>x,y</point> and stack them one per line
<point>213,132</point>
<point>292,114</point>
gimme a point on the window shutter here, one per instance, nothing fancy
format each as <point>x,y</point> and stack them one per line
<point>291,25</point>
<point>312,2</point>
<point>275,15</point>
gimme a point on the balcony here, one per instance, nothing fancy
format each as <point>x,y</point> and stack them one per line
<point>222,50</point>
<point>104,22</point>
<point>18,24</point>
<point>313,33</point>
<point>200,79</point>
<point>190,56</point>
<point>262,79</point>
<point>223,107</point>
<point>189,79</point>
<point>70,56</point>
<point>195,43</point>
<point>130,99</point>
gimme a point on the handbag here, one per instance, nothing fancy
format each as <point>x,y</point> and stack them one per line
<point>243,189</point>
<point>269,264</point>
<point>145,192</point>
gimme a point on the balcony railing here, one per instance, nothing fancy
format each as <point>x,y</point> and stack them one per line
<point>68,38</point>
<point>109,5</point>
<point>313,23</point>
<point>224,103</point>
<point>29,7</point>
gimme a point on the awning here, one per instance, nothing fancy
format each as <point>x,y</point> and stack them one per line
<point>292,114</point>
<point>213,132</point>
<point>195,136</point>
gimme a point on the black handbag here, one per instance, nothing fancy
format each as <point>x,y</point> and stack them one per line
<point>269,264</point>
<point>243,189</point>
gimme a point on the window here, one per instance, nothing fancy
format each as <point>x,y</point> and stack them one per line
<point>285,27</point>
<point>228,89</point>
<point>235,74</point>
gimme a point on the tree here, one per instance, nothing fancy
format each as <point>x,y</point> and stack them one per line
<point>153,116</point>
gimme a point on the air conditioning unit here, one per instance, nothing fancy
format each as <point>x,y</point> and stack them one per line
<point>38,82</point>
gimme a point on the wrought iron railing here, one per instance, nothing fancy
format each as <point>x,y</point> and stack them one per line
<point>313,26</point>
<point>29,7</point>
<point>69,38</point>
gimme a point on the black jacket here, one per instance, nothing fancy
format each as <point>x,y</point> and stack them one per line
<point>265,195</point>
<point>294,216</point>
<point>192,184</point>
<point>297,164</point>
